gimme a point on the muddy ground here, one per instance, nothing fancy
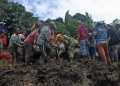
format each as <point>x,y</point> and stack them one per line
<point>64,74</point>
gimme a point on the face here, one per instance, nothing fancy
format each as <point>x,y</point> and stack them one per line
<point>1,35</point>
<point>17,31</point>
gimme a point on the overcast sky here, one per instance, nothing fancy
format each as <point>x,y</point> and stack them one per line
<point>107,10</point>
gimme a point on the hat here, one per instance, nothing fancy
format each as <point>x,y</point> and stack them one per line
<point>1,23</point>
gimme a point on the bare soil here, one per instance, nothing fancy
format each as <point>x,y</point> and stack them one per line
<point>62,74</point>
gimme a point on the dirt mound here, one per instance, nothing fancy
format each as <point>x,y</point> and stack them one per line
<point>64,74</point>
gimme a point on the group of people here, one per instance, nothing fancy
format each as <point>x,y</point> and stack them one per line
<point>42,43</point>
<point>102,39</point>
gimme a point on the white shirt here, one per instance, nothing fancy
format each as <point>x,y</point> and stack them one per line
<point>14,39</point>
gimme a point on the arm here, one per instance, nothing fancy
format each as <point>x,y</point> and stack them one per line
<point>109,38</point>
<point>14,42</point>
<point>78,34</point>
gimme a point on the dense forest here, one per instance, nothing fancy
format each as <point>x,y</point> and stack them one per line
<point>15,14</point>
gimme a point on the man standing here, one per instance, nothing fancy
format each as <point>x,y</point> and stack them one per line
<point>14,44</point>
<point>46,37</point>
<point>33,36</point>
<point>92,48</point>
<point>102,42</point>
<point>3,55</point>
<point>82,36</point>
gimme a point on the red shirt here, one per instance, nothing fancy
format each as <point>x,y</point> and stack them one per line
<point>4,40</point>
<point>31,38</point>
<point>82,32</point>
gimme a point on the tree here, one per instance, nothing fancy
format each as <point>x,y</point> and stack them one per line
<point>61,28</point>
<point>116,24</point>
<point>88,21</point>
<point>60,20</point>
<point>79,17</point>
<point>14,14</point>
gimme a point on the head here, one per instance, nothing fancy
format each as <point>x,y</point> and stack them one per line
<point>17,31</point>
<point>79,23</point>
<point>108,26</point>
<point>117,26</point>
<point>59,32</point>
<point>100,24</point>
<point>37,25</point>
<point>1,34</point>
<point>1,29</point>
<point>90,34</point>
<point>52,25</point>
<point>59,36</point>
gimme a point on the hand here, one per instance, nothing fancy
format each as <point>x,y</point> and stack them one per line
<point>109,38</point>
<point>54,46</point>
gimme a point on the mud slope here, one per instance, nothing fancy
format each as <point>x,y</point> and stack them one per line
<point>65,74</point>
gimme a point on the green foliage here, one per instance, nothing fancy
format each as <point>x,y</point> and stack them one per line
<point>79,17</point>
<point>67,19</point>
<point>71,22</point>
<point>14,14</point>
<point>85,19</point>
<point>61,28</point>
<point>60,20</point>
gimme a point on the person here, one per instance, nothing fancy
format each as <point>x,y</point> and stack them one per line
<point>58,37</point>
<point>3,55</point>
<point>102,42</point>
<point>4,41</point>
<point>20,49</point>
<point>30,43</point>
<point>32,37</point>
<point>92,48</point>
<point>14,44</point>
<point>113,43</point>
<point>45,39</point>
<point>82,36</point>
<point>117,31</point>
<point>21,37</point>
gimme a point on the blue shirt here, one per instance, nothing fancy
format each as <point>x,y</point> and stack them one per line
<point>101,35</point>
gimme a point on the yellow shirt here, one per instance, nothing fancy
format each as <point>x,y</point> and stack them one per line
<point>59,36</point>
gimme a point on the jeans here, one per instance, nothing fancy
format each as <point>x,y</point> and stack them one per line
<point>92,51</point>
<point>16,54</point>
<point>114,52</point>
<point>84,48</point>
